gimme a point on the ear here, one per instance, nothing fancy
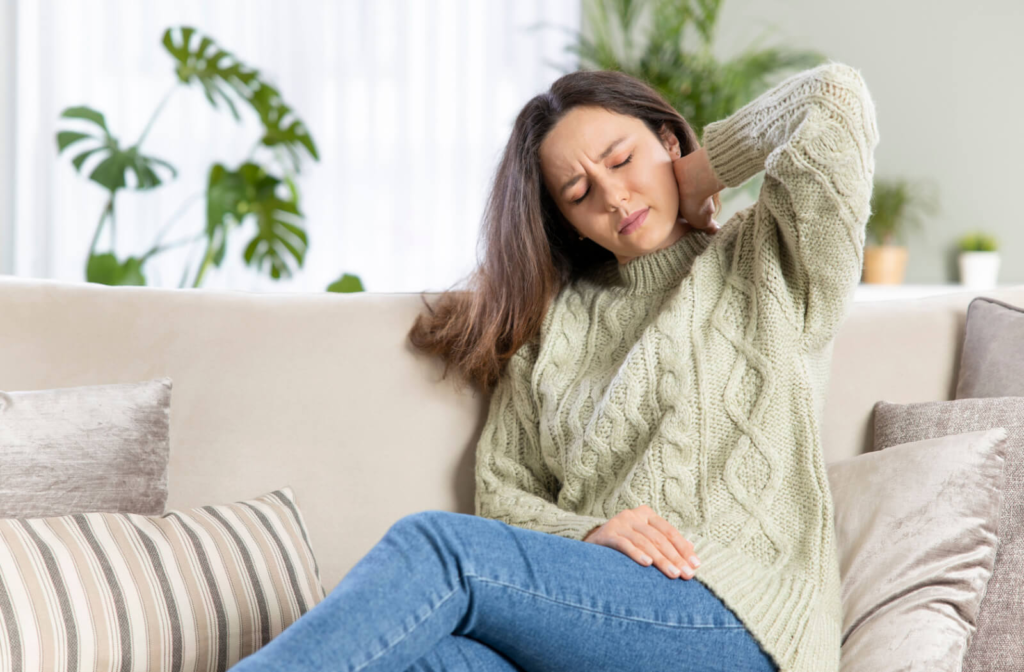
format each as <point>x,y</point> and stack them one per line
<point>670,142</point>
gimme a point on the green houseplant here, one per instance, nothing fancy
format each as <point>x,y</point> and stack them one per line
<point>668,44</point>
<point>898,206</point>
<point>978,260</point>
<point>263,193</point>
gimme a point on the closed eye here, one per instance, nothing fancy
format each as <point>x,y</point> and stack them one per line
<point>580,199</point>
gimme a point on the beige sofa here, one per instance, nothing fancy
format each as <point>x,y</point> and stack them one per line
<point>322,392</point>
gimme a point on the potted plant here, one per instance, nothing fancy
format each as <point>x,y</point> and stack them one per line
<point>896,207</point>
<point>979,260</point>
<point>257,192</point>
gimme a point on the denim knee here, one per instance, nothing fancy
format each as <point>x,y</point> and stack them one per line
<point>419,521</point>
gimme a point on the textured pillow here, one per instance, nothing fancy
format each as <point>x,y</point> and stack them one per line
<point>195,590</point>
<point>916,526</point>
<point>992,358</point>
<point>95,448</point>
<point>997,645</point>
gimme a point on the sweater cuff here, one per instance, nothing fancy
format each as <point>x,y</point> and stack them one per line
<point>573,526</point>
<point>732,146</point>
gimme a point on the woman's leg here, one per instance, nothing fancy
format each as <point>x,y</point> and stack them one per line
<point>543,601</point>
<point>455,653</point>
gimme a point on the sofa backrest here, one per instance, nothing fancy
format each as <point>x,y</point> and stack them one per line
<point>323,393</point>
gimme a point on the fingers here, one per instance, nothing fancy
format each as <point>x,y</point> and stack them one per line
<point>680,544</point>
<point>648,539</point>
<point>645,546</point>
<point>708,225</point>
<point>640,551</point>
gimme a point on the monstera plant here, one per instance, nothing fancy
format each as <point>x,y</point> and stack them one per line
<point>263,194</point>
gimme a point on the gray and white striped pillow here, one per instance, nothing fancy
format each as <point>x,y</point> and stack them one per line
<point>196,589</point>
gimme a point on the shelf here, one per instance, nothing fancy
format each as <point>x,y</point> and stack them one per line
<point>875,292</point>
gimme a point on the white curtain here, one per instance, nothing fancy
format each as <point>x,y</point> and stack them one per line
<point>410,103</point>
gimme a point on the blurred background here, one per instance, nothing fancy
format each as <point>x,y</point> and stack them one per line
<point>349,145</point>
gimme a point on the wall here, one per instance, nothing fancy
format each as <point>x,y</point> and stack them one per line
<point>948,87</point>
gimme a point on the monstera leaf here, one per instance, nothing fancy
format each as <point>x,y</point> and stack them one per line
<point>110,172</point>
<point>200,59</point>
<point>250,190</point>
<point>201,62</point>
<point>274,114</point>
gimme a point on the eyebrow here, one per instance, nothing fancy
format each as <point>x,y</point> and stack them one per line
<point>576,178</point>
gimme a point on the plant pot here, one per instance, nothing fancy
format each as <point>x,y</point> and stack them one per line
<point>979,270</point>
<point>884,264</point>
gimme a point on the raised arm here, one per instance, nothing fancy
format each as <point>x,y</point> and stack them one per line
<point>512,482</point>
<point>814,135</point>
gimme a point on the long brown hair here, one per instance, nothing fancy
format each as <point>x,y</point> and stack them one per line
<point>531,251</point>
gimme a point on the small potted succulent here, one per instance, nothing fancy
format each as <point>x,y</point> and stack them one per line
<point>979,260</point>
<point>896,207</point>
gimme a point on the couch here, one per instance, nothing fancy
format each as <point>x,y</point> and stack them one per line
<point>322,392</point>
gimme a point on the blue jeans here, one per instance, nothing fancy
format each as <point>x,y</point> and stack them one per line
<point>453,591</point>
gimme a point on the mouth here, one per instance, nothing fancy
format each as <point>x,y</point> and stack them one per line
<point>635,218</point>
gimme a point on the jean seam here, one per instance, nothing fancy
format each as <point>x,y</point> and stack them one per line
<point>596,611</point>
<point>409,631</point>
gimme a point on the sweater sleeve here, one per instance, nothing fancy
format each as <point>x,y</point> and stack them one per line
<point>814,135</point>
<point>513,484</point>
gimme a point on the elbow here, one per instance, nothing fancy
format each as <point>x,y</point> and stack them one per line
<point>847,94</point>
<point>840,81</point>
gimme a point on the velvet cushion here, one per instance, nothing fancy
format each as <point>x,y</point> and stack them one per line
<point>992,357</point>
<point>917,531</point>
<point>996,645</point>
<point>90,448</point>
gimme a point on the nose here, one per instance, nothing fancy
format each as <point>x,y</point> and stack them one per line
<point>614,193</point>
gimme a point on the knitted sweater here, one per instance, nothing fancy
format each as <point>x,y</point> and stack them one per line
<point>693,378</point>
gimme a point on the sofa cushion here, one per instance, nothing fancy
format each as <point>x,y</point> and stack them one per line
<point>196,589</point>
<point>996,646</point>
<point>992,357</point>
<point>91,448</point>
<point>916,526</point>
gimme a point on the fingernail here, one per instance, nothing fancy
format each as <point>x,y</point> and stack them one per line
<point>693,561</point>
<point>688,572</point>
<point>644,559</point>
<point>672,570</point>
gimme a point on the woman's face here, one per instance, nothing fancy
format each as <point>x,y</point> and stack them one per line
<point>635,175</point>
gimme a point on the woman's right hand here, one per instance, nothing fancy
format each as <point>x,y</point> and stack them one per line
<point>697,185</point>
<point>648,538</point>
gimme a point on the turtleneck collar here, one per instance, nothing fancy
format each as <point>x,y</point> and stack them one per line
<point>660,270</point>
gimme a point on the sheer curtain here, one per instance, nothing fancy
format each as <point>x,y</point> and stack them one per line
<point>409,102</point>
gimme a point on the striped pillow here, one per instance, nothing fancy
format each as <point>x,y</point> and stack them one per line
<point>196,589</point>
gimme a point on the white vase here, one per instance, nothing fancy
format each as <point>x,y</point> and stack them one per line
<point>979,270</point>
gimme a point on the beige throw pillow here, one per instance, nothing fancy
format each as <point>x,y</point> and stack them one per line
<point>997,645</point>
<point>89,448</point>
<point>196,589</point>
<point>917,531</point>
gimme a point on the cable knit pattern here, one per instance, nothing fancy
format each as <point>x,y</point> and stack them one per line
<point>692,379</point>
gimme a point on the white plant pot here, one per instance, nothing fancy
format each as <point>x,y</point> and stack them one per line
<point>979,270</point>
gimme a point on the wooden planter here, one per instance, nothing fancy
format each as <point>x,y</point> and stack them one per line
<point>884,264</point>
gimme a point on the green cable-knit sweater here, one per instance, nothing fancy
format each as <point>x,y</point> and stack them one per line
<point>693,379</point>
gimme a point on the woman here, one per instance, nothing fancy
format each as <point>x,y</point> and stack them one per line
<point>658,385</point>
